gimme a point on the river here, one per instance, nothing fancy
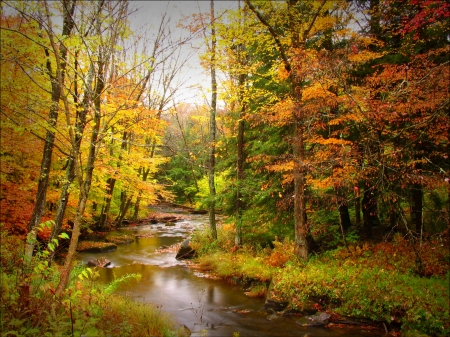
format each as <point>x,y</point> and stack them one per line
<point>208,307</point>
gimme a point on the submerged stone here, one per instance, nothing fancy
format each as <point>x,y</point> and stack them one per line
<point>100,262</point>
<point>319,319</point>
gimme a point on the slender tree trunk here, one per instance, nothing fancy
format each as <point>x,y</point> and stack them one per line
<point>417,201</point>
<point>357,206</point>
<point>110,183</point>
<point>57,84</point>
<point>86,184</point>
<point>417,207</point>
<point>71,164</point>
<point>296,23</point>
<point>240,144</point>
<point>83,197</point>
<point>301,230</point>
<point>124,206</point>
<point>136,206</point>
<point>370,210</point>
<point>298,148</point>
<point>344,216</point>
<point>145,172</point>
<point>240,166</point>
<point>212,131</point>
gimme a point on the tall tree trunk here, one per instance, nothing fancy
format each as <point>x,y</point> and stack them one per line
<point>57,84</point>
<point>240,142</point>
<point>145,172</point>
<point>212,130</point>
<point>86,184</point>
<point>76,143</point>
<point>301,229</point>
<point>110,183</point>
<point>240,164</point>
<point>303,239</point>
<point>82,199</point>
<point>124,206</point>
<point>357,206</point>
<point>370,210</point>
<point>344,216</point>
<point>417,208</point>
<point>417,198</point>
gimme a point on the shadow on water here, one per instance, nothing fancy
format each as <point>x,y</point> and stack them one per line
<point>206,306</point>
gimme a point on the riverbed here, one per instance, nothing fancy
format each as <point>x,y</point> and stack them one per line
<point>206,306</point>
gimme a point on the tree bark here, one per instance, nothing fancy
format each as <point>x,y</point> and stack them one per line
<point>83,196</point>
<point>76,144</point>
<point>417,208</point>
<point>57,84</point>
<point>303,239</point>
<point>212,131</point>
<point>370,210</point>
<point>86,184</point>
<point>240,164</point>
<point>240,142</point>
<point>357,206</point>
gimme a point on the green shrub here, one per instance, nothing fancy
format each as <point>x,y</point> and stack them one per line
<point>353,289</point>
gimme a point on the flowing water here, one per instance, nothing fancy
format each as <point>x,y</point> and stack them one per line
<point>206,306</point>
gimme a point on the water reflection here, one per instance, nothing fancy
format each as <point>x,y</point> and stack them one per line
<point>202,304</point>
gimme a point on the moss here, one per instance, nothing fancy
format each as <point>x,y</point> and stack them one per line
<point>120,239</point>
<point>373,281</point>
<point>95,246</point>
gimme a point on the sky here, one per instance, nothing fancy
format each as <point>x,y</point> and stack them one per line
<point>147,18</point>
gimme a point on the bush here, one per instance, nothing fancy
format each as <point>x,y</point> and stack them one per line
<point>357,289</point>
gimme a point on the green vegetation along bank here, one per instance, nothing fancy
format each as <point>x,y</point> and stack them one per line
<point>29,307</point>
<point>379,281</point>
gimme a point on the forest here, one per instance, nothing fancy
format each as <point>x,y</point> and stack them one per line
<point>319,150</point>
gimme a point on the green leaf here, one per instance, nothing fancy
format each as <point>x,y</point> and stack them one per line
<point>63,236</point>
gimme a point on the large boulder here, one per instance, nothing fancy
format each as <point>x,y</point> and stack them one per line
<point>185,251</point>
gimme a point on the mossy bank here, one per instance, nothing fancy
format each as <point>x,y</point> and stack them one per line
<point>378,282</point>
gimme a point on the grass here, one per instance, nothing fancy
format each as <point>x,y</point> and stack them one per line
<point>373,281</point>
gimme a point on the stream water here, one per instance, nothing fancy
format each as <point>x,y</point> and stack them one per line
<point>206,306</point>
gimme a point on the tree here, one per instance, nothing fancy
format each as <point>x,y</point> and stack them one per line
<point>107,34</point>
<point>302,26</point>
<point>212,129</point>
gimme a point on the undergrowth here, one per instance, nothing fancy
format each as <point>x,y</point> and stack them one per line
<point>29,307</point>
<point>379,281</point>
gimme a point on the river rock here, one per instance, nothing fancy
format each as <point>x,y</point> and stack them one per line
<point>170,224</point>
<point>95,247</point>
<point>100,262</point>
<point>163,218</point>
<point>185,251</point>
<point>273,303</point>
<point>120,239</point>
<point>319,319</point>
